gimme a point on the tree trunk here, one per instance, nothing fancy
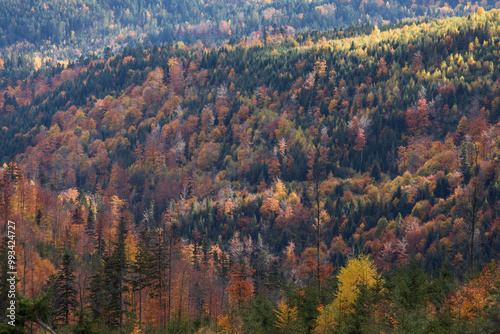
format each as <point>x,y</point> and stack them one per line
<point>45,326</point>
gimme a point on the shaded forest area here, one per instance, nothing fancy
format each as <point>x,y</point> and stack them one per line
<point>344,181</point>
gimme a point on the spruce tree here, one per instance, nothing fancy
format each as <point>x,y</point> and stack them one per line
<point>376,173</point>
<point>115,270</point>
<point>141,269</point>
<point>97,292</point>
<point>64,293</point>
<point>90,226</point>
<point>158,268</point>
<point>109,283</point>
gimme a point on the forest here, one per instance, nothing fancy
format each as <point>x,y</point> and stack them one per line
<point>34,34</point>
<point>344,181</point>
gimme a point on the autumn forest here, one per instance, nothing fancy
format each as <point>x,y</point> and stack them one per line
<point>306,176</point>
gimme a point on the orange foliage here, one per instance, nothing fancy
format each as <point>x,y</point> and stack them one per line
<point>470,303</point>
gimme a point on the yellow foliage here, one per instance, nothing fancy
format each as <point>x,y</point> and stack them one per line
<point>358,272</point>
<point>37,63</point>
<point>131,247</point>
<point>286,315</point>
<point>223,325</point>
<point>280,190</point>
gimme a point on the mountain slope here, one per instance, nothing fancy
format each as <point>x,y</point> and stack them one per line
<point>267,164</point>
<point>56,30</point>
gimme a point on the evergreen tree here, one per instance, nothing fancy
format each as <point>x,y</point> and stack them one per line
<point>64,292</point>
<point>90,226</point>
<point>97,292</point>
<point>442,189</point>
<point>39,217</point>
<point>109,283</point>
<point>376,173</point>
<point>410,295</point>
<point>260,317</point>
<point>116,271</point>
<point>141,269</point>
<point>158,268</point>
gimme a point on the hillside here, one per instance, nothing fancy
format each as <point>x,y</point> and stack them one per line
<point>35,33</point>
<point>265,168</point>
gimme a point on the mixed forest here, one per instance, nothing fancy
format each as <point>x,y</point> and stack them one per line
<point>36,34</point>
<point>344,181</point>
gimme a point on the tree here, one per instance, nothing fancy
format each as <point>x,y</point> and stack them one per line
<point>141,269</point>
<point>360,140</point>
<point>473,198</point>
<point>30,310</point>
<point>423,114</point>
<point>409,297</point>
<point>287,318</point>
<point>157,271</point>
<point>464,163</point>
<point>8,180</point>
<point>260,318</point>
<point>375,172</point>
<point>108,285</point>
<point>240,288</point>
<point>64,292</point>
<point>90,226</point>
<point>358,272</point>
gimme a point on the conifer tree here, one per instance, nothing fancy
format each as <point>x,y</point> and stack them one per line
<point>90,225</point>
<point>117,267</point>
<point>158,268</point>
<point>108,285</point>
<point>64,292</point>
<point>141,269</point>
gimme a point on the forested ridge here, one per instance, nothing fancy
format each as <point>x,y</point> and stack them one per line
<point>342,181</point>
<point>36,33</point>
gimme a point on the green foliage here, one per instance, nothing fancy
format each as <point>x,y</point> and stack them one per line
<point>64,292</point>
<point>259,317</point>
<point>108,284</point>
<point>409,288</point>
